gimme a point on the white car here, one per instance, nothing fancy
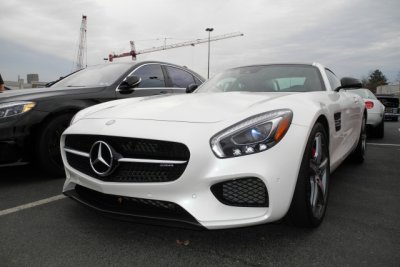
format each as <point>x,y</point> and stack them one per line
<point>375,110</point>
<point>249,146</point>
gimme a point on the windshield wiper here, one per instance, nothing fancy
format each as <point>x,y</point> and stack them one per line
<point>75,86</point>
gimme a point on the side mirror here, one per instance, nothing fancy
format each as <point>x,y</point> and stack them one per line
<point>349,83</point>
<point>191,88</point>
<point>127,86</point>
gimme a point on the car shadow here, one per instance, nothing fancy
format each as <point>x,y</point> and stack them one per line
<point>114,231</point>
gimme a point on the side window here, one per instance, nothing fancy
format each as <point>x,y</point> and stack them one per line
<point>333,80</point>
<point>152,76</point>
<point>180,78</point>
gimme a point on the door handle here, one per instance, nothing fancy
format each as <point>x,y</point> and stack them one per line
<point>164,92</point>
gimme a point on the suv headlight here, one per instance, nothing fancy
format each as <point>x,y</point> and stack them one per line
<point>252,135</point>
<point>15,108</point>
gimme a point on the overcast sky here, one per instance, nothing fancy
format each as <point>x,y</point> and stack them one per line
<point>352,37</point>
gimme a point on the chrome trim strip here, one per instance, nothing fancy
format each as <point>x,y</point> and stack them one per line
<point>152,161</point>
<point>87,155</point>
<point>76,152</point>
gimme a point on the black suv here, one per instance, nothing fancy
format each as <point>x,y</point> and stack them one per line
<point>32,120</point>
<point>391,103</point>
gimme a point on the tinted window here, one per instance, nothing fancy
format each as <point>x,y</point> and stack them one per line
<point>197,80</point>
<point>152,76</point>
<point>333,80</point>
<point>180,78</point>
<point>269,78</point>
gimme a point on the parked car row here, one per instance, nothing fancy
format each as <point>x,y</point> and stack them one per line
<point>252,145</point>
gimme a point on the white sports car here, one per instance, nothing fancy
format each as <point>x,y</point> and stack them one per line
<point>252,145</point>
<point>375,112</point>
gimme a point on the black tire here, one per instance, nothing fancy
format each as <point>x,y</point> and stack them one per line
<point>310,198</point>
<point>379,131</point>
<point>396,118</point>
<point>48,155</point>
<point>358,155</point>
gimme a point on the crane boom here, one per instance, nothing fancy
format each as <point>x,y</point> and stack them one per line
<point>134,53</point>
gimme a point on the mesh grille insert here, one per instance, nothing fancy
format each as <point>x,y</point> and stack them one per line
<point>242,192</point>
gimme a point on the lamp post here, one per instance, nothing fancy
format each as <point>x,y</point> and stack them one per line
<point>209,30</point>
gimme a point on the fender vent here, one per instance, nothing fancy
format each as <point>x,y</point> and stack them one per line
<point>338,121</point>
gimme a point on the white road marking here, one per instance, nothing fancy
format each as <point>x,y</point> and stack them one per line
<point>31,205</point>
<point>378,144</point>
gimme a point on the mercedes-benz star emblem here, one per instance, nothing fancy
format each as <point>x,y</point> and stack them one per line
<point>102,158</point>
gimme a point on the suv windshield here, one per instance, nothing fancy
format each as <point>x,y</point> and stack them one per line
<point>100,75</point>
<point>268,78</point>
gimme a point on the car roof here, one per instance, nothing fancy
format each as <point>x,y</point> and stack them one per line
<point>315,64</point>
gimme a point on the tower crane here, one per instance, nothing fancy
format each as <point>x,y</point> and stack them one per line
<point>133,53</point>
<point>82,44</point>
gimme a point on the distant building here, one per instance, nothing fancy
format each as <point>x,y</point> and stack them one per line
<point>32,82</point>
<point>32,78</point>
<point>389,89</point>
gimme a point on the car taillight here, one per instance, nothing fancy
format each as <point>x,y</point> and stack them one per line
<point>369,104</point>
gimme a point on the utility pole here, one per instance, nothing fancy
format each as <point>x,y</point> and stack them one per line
<point>209,30</point>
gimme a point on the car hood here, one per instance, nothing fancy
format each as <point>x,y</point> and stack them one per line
<point>42,93</point>
<point>197,107</point>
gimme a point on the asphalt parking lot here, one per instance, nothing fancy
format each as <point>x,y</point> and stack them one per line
<point>39,227</point>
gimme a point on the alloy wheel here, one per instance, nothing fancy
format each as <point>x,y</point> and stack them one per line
<point>318,176</point>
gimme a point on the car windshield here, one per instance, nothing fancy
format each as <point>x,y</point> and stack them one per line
<point>267,78</point>
<point>366,94</point>
<point>99,75</point>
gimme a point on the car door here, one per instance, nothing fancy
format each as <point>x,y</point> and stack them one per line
<point>153,81</point>
<point>179,79</point>
<point>346,117</point>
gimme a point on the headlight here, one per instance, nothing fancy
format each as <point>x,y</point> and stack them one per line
<point>15,108</point>
<point>252,135</point>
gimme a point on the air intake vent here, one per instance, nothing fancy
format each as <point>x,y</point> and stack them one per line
<point>242,192</point>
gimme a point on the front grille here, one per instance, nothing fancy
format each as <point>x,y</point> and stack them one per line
<point>391,110</point>
<point>133,148</point>
<point>242,192</point>
<point>140,207</point>
<point>389,102</point>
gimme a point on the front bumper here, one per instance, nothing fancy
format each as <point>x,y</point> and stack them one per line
<point>13,139</point>
<point>392,112</point>
<point>15,133</point>
<point>277,167</point>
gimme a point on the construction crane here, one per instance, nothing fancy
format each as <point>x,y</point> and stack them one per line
<point>82,45</point>
<point>133,53</point>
